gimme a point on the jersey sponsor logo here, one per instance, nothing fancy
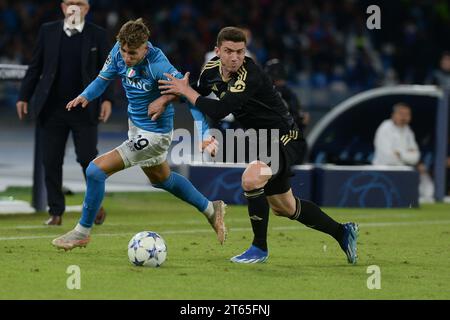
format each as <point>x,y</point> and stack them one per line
<point>138,84</point>
<point>239,86</point>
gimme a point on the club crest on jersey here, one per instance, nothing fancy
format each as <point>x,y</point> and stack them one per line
<point>239,86</point>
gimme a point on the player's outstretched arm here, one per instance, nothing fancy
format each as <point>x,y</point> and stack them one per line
<point>158,106</point>
<point>94,90</point>
<point>215,109</point>
<point>77,101</point>
<point>178,87</point>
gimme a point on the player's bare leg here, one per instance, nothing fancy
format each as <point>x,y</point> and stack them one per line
<point>282,204</point>
<point>106,165</point>
<point>162,177</point>
<point>110,162</point>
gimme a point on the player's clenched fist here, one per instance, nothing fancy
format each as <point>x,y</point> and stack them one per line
<point>75,102</point>
<point>211,145</point>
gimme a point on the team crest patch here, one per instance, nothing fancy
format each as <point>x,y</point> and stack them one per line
<point>239,86</point>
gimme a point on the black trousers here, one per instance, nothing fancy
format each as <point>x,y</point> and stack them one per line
<point>56,126</point>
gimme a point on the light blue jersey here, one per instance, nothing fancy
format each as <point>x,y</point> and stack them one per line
<point>141,86</point>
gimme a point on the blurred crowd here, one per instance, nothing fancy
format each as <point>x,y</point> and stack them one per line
<point>323,43</point>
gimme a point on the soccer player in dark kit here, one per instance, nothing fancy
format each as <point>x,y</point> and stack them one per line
<point>246,91</point>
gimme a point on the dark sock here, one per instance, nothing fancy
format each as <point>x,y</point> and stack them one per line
<point>312,216</point>
<point>258,211</point>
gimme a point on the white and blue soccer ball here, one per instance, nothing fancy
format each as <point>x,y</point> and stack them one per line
<point>147,249</point>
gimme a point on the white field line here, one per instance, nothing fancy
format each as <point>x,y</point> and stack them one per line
<point>194,222</point>
<point>285,228</point>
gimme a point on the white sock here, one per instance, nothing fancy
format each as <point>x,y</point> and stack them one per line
<point>209,211</point>
<point>83,230</point>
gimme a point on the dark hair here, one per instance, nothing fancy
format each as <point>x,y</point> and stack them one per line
<point>134,33</point>
<point>231,34</point>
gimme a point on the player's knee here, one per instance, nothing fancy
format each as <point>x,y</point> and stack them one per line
<point>252,178</point>
<point>250,183</point>
<point>259,168</point>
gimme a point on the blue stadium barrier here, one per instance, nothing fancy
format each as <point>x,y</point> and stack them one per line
<point>224,181</point>
<point>327,185</point>
<point>303,181</point>
<point>366,186</point>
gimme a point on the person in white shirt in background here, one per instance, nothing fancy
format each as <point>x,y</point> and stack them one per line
<point>395,145</point>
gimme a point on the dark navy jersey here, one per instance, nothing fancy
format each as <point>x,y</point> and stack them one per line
<point>249,95</point>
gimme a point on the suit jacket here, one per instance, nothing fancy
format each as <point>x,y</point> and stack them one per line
<point>42,70</point>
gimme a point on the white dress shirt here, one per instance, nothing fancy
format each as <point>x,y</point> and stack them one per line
<point>390,139</point>
<point>68,27</point>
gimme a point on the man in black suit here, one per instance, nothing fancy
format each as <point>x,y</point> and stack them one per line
<point>68,55</point>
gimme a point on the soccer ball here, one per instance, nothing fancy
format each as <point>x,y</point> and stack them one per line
<point>147,249</point>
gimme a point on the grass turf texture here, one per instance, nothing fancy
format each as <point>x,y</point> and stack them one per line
<point>411,247</point>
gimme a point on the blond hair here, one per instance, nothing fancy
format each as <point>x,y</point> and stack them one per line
<point>134,34</point>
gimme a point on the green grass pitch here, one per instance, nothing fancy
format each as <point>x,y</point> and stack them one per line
<point>411,247</point>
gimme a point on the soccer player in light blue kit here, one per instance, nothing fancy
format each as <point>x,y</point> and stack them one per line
<point>140,66</point>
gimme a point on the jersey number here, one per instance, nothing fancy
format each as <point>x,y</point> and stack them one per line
<point>141,143</point>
